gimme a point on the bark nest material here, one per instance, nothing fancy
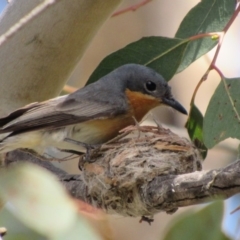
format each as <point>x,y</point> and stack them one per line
<point>127,164</point>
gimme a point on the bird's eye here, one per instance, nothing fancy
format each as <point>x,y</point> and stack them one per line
<point>151,86</point>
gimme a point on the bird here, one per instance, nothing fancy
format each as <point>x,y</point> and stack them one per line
<point>91,115</point>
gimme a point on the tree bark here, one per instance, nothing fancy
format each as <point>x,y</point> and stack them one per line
<point>141,176</point>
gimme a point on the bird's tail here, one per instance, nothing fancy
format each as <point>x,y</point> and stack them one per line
<point>31,140</point>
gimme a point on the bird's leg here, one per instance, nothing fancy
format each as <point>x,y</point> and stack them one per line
<point>159,125</point>
<point>132,127</point>
<point>72,152</point>
<point>137,126</point>
<point>90,148</point>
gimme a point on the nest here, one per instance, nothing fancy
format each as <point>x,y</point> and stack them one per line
<point>128,163</point>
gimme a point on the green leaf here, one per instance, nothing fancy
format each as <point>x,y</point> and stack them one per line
<point>194,126</point>
<point>39,201</point>
<point>222,118</point>
<point>206,16</point>
<point>204,224</point>
<point>160,53</point>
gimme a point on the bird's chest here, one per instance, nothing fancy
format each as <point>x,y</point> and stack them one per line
<point>140,104</point>
<point>99,131</point>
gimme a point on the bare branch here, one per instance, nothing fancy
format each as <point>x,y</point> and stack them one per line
<point>136,176</point>
<point>131,8</point>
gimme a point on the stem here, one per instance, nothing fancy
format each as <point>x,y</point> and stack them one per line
<point>131,8</point>
<point>233,17</point>
<point>212,65</point>
<point>218,71</point>
<point>202,35</point>
<point>195,91</point>
<point>221,37</point>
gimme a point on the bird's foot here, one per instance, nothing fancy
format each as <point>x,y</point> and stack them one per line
<point>91,150</point>
<point>146,219</point>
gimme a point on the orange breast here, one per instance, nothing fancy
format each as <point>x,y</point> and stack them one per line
<point>141,103</point>
<point>102,130</point>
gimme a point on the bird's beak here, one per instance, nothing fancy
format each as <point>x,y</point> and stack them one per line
<point>175,104</point>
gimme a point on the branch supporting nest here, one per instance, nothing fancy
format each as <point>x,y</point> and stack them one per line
<point>146,171</point>
<point>119,177</point>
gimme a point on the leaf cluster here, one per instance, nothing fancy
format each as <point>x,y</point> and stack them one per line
<point>198,33</point>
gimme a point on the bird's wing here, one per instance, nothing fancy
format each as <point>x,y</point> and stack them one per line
<point>62,111</point>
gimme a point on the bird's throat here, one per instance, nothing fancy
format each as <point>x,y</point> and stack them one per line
<point>141,103</point>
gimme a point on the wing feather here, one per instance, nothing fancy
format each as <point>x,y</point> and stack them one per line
<point>77,107</point>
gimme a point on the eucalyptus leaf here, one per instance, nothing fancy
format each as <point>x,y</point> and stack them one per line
<point>207,16</point>
<point>204,224</point>
<point>160,53</point>
<point>194,126</point>
<point>222,118</point>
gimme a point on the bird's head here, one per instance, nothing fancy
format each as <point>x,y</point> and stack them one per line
<point>146,89</point>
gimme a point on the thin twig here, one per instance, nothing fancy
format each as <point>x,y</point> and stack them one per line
<point>218,71</point>
<point>235,210</point>
<point>214,35</point>
<point>131,8</point>
<point>212,66</point>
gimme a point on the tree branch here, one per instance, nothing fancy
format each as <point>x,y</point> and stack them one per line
<point>131,8</point>
<point>136,176</point>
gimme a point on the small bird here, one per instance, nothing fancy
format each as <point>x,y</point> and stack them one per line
<point>91,115</point>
